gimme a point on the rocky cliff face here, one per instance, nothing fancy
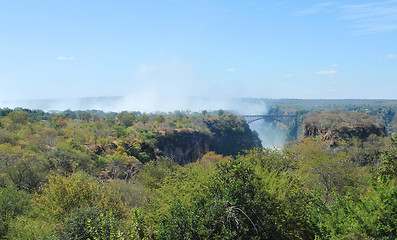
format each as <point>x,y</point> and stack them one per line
<point>226,136</point>
<point>337,125</point>
<point>231,135</point>
<point>184,147</point>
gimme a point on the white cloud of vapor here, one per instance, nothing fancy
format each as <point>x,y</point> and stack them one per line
<point>169,84</point>
<point>390,56</point>
<point>330,73</point>
<point>62,58</point>
<point>163,85</point>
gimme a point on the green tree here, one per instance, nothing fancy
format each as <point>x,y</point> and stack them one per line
<point>388,160</point>
<point>144,119</point>
<point>12,204</point>
<point>126,119</point>
<point>62,195</point>
<point>89,222</point>
<point>325,171</point>
<point>277,171</point>
<point>17,119</point>
<point>159,119</point>
<point>370,215</point>
<point>234,208</point>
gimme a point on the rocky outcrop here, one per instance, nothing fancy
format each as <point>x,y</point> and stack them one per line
<point>184,147</point>
<point>226,136</point>
<point>337,125</point>
<point>231,135</point>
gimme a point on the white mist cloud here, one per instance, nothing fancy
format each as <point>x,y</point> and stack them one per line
<point>334,65</point>
<point>330,73</point>
<point>288,75</point>
<point>270,136</point>
<point>390,56</point>
<point>169,83</point>
<point>62,58</point>
<point>162,85</point>
<point>231,69</point>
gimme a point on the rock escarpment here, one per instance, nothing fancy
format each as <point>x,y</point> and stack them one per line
<point>227,136</point>
<point>337,125</point>
<point>184,147</point>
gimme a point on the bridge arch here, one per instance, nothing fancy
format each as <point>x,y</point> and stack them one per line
<point>253,118</point>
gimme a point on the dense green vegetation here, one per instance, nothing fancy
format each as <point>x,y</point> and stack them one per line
<point>95,175</point>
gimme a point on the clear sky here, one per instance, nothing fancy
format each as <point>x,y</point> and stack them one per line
<point>261,49</point>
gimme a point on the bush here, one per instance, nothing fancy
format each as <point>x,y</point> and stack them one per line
<point>234,208</point>
<point>12,204</point>
<point>62,195</point>
<point>87,223</point>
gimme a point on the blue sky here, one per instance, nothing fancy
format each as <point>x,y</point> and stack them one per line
<point>176,49</point>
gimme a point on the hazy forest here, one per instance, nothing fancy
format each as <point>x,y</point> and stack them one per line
<point>200,175</point>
